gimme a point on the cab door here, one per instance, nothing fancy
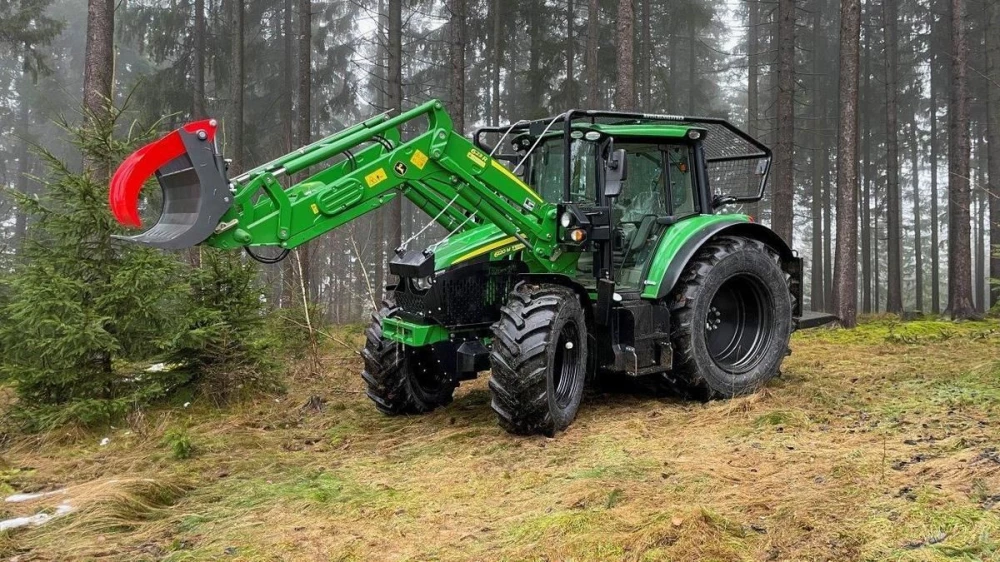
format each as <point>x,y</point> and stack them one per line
<point>658,192</point>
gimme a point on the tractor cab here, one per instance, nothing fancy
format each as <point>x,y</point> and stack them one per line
<point>622,180</point>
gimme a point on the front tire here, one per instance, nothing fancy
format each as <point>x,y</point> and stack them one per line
<point>732,318</point>
<point>539,360</point>
<point>403,380</point>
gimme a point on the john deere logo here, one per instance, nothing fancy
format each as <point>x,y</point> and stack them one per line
<point>400,169</point>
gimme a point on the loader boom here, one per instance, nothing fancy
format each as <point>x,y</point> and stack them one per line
<point>439,170</point>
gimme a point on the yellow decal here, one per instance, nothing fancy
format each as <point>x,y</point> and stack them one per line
<point>376,177</point>
<point>419,159</point>
<point>487,248</point>
<point>509,250</point>
<point>478,157</point>
<point>510,175</point>
<point>315,208</point>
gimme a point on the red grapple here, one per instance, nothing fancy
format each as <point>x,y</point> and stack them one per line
<point>193,179</point>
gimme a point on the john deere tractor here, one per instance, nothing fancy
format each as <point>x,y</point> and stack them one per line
<point>582,245</point>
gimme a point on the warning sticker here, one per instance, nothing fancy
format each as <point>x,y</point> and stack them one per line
<point>376,177</point>
<point>477,157</point>
<point>315,208</point>
<point>419,160</point>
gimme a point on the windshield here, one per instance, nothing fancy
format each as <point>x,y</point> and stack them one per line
<point>546,171</point>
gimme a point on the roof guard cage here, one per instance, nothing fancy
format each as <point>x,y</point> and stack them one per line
<point>738,164</point>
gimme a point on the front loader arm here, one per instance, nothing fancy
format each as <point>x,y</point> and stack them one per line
<point>439,170</point>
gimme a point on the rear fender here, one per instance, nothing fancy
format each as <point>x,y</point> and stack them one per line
<point>681,255</point>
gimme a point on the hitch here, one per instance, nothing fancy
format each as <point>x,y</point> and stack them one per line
<point>192,176</point>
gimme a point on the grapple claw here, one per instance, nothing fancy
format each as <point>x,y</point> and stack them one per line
<point>192,176</point>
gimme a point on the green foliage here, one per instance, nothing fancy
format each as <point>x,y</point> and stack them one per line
<point>80,310</point>
<point>24,26</point>
<point>223,342</point>
<point>78,302</point>
<point>179,443</point>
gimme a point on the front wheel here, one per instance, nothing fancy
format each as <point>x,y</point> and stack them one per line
<point>403,380</point>
<point>539,360</point>
<point>732,318</point>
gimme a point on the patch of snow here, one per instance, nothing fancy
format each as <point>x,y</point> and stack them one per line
<point>186,404</point>
<point>36,519</point>
<point>157,368</point>
<point>18,498</point>
<point>105,441</point>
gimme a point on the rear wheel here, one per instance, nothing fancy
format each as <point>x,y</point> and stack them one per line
<point>539,360</point>
<point>732,318</point>
<point>403,380</point>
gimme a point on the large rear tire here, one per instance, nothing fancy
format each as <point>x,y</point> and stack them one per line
<point>539,360</point>
<point>403,380</point>
<point>732,318</point>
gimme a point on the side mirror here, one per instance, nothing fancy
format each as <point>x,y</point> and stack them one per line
<point>616,173</point>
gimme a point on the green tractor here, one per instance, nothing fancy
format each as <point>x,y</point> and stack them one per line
<point>583,245</point>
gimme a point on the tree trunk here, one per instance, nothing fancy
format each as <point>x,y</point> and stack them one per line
<point>959,250</point>
<point>845,295</point>
<point>593,73</point>
<point>979,279</point>
<point>24,134</point>
<point>917,234</point>
<point>304,118</point>
<point>817,291</point>
<point>200,112</point>
<point>783,191</point>
<point>894,258</point>
<point>868,191</point>
<point>993,146</point>
<point>537,78</point>
<point>625,89</point>
<point>395,103</point>
<point>457,56</point>
<point>288,77</point>
<point>753,83</point>
<point>692,78</point>
<point>571,97</point>
<point>98,72</point>
<point>648,54</point>
<point>753,69</point>
<point>497,59</point>
<point>236,87</point>
<point>935,217</point>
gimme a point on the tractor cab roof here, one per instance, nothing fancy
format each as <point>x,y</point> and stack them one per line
<point>664,130</point>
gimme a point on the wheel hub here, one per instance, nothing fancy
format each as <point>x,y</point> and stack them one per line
<point>739,324</point>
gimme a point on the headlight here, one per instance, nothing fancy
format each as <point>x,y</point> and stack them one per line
<point>566,220</point>
<point>423,283</point>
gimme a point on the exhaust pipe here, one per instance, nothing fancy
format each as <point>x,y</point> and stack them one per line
<point>192,176</point>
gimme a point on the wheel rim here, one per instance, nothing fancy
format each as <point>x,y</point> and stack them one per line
<point>739,324</point>
<point>566,365</point>
<point>424,376</point>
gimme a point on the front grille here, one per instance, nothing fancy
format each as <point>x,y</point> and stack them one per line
<point>463,296</point>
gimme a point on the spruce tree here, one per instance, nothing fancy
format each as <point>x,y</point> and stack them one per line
<point>78,303</point>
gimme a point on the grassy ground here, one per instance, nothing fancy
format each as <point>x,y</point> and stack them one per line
<point>877,444</point>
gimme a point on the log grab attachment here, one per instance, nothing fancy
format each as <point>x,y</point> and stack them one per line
<point>192,176</point>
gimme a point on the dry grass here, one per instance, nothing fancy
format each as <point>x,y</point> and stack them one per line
<point>881,444</point>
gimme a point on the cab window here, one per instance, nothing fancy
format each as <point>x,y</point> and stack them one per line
<point>546,171</point>
<point>682,199</point>
<point>644,192</point>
